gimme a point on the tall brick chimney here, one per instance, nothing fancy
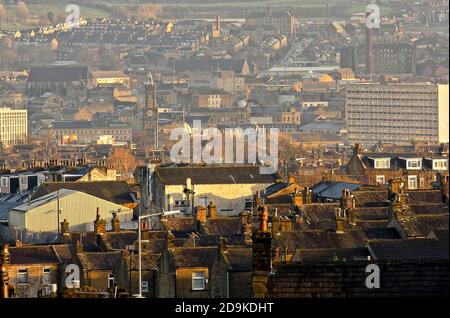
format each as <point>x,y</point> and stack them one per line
<point>64,227</point>
<point>308,195</point>
<point>400,206</point>
<point>99,224</point>
<point>394,187</point>
<point>442,183</point>
<point>248,233</point>
<point>357,150</point>
<point>115,223</point>
<point>297,198</point>
<point>276,224</point>
<point>262,244</point>
<point>223,244</point>
<point>258,201</point>
<point>201,214</point>
<point>170,240</point>
<point>286,225</point>
<point>342,223</point>
<point>212,210</point>
<point>261,256</point>
<point>4,277</point>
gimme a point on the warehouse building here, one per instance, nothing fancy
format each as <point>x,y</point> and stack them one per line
<point>79,209</point>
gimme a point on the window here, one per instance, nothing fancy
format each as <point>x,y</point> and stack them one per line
<point>198,281</point>
<point>110,281</point>
<point>22,276</point>
<point>413,163</point>
<point>380,180</point>
<point>412,182</point>
<point>381,163</point>
<point>440,164</point>
<point>180,202</point>
<point>46,276</point>
<point>248,204</point>
<point>145,286</point>
<point>422,182</point>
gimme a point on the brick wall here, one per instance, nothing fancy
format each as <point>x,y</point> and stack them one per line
<point>412,279</point>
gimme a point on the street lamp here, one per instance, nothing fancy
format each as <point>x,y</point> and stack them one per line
<point>142,217</point>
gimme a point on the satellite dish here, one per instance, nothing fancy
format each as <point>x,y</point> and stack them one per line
<point>242,104</point>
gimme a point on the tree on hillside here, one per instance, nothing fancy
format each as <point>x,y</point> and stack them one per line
<point>122,12</point>
<point>22,11</point>
<point>2,13</point>
<point>123,161</point>
<point>51,16</point>
<point>148,11</point>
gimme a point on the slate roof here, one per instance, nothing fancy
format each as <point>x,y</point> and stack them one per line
<point>100,260</point>
<point>239,258</point>
<point>223,225</point>
<point>87,240</point>
<point>330,254</point>
<point>441,234</point>
<point>118,192</point>
<point>426,223</point>
<point>194,256</point>
<point>333,189</point>
<point>38,254</point>
<point>149,261</point>
<point>428,196</point>
<point>213,175</point>
<point>120,240</point>
<point>214,240</point>
<point>58,73</point>
<point>403,250</point>
<point>312,239</point>
<point>181,226</point>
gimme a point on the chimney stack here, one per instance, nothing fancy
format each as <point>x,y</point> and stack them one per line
<point>297,198</point>
<point>170,240</point>
<point>64,227</point>
<point>212,210</point>
<point>308,195</point>
<point>99,224</point>
<point>4,277</point>
<point>145,233</point>
<point>201,214</point>
<point>262,244</point>
<point>79,247</point>
<point>248,233</point>
<point>115,223</point>
<point>394,187</point>
<point>223,244</point>
<point>286,225</point>
<point>442,183</point>
<point>263,217</point>
<point>399,206</point>
<point>342,223</point>
<point>276,225</point>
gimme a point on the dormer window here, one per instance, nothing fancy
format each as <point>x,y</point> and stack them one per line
<point>440,164</point>
<point>414,163</point>
<point>383,163</point>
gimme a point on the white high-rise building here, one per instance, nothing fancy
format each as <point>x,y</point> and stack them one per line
<point>13,126</point>
<point>397,113</point>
